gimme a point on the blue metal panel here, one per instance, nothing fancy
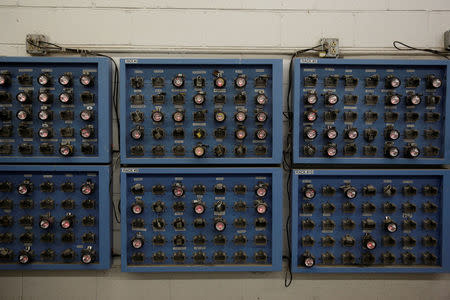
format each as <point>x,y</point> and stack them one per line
<point>433,149</point>
<point>167,69</point>
<point>437,257</point>
<point>77,238</point>
<point>188,177</point>
<point>100,71</point>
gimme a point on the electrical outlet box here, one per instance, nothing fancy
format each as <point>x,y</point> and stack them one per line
<point>330,47</point>
<point>33,41</point>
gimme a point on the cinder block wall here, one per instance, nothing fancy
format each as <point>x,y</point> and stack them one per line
<point>225,29</point>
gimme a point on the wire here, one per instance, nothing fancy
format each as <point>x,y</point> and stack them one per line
<point>406,47</point>
<point>115,95</point>
<point>116,165</point>
<point>114,254</point>
<point>288,162</point>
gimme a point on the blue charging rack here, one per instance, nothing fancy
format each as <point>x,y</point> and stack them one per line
<point>208,177</point>
<point>57,175</point>
<point>97,147</point>
<point>379,179</point>
<point>433,150</point>
<point>267,151</point>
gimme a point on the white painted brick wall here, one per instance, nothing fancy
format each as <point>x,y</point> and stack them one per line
<point>221,24</point>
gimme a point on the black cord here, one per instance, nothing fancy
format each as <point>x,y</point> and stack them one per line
<point>288,273</point>
<point>288,162</point>
<point>115,91</point>
<point>116,215</point>
<point>113,254</point>
<point>444,54</point>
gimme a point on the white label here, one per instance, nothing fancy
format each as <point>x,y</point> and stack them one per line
<point>308,60</point>
<point>304,172</point>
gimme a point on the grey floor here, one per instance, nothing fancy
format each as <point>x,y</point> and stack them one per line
<point>113,284</point>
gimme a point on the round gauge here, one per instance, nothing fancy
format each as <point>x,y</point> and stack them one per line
<point>240,134</point>
<point>350,193</point>
<point>219,116</point>
<point>261,117</point>
<point>43,97</point>
<point>414,151</point>
<point>261,191</point>
<point>137,243</point>
<point>178,81</point>
<point>43,115</point>
<point>22,97</point>
<point>65,224</point>
<point>86,132</point>
<point>65,80</point>
<point>220,226</point>
<point>393,152</point>
<point>64,98</point>
<point>240,82</point>
<point>331,151</point>
<point>199,99</point>
<point>332,99</point>
<point>86,189</point>
<point>309,193</point>
<point>261,99</point>
<point>311,134</point>
<point>44,133</point>
<point>311,99</point>
<point>86,80</point>
<point>157,116</point>
<point>261,208</point>
<point>86,115</point>
<point>394,99</point>
<point>43,79</point>
<point>352,134</point>
<point>219,82</point>
<point>436,83</point>
<point>240,116</point>
<point>44,224</point>
<point>309,262</point>
<point>415,100</point>
<point>394,134</point>
<point>199,151</point>
<point>86,258</point>
<point>22,115</point>
<point>261,134</point>
<point>199,209</point>
<point>178,116</point>
<point>331,133</point>
<point>136,209</point>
